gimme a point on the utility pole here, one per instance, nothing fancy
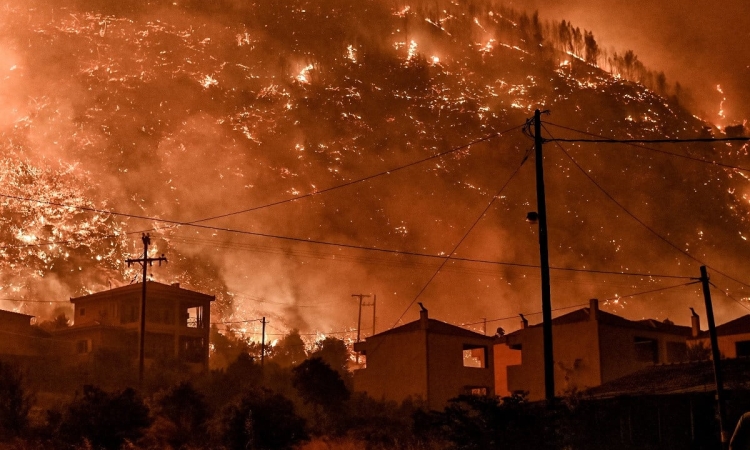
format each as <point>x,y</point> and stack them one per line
<point>263,343</point>
<point>716,357</point>
<point>549,370</point>
<point>484,320</point>
<point>374,304</point>
<point>145,262</point>
<point>359,317</point>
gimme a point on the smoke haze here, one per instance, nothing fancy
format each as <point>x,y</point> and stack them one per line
<point>191,111</point>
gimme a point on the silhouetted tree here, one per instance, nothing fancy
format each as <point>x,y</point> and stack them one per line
<point>15,401</point>
<point>334,352</point>
<point>592,48</point>
<point>261,420</point>
<point>318,383</point>
<point>104,420</point>
<point>290,350</point>
<point>187,410</point>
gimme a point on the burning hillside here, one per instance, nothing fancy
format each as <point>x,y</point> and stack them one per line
<point>187,112</point>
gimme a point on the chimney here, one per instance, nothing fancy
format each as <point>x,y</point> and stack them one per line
<point>176,285</point>
<point>423,318</point>
<point>524,322</point>
<point>695,321</point>
<point>593,309</point>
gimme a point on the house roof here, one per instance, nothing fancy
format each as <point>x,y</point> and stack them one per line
<point>151,286</point>
<point>14,314</point>
<point>583,315</point>
<point>676,378</point>
<point>435,327</point>
<point>740,325</point>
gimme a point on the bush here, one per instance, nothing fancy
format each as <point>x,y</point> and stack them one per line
<point>261,420</point>
<point>15,402</point>
<point>104,420</point>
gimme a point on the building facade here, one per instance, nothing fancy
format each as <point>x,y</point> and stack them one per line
<point>590,347</point>
<point>733,337</point>
<point>177,323</point>
<point>426,359</point>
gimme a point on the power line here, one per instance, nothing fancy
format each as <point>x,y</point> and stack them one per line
<point>728,295</point>
<point>348,183</point>
<point>586,304</point>
<point>634,217</point>
<point>650,291</point>
<point>361,180</point>
<point>339,244</point>
<point>632,143</point>
<point>445,260</point>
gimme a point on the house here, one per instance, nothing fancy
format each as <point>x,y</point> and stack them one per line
<point>426,359</point>
<point>733,337</point>
<point>671,406</point>
<point>20,340</point>
<point>590,347</point>
<point>177,323</point>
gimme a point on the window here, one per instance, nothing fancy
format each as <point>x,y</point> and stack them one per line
<point>82,312</point>
<point>476,390</point>
<point>646,349</point>
<point>192,349</point>
<point>83,346</point>
<point>475,356</point>
<point>742,348</point>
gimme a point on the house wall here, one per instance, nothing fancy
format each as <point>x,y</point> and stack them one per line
<point>504,357</point>
<point>576,356</point>
<point>620,355</point>
<point>448,376</point>
<point>395,367</point>
<point>727,343</point>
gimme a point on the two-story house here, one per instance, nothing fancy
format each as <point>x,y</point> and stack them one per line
<point>590,347</point>
<point>426,359</point>
<point>177,323</point>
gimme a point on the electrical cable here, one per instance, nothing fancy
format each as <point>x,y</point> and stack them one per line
<point>344,245</point>
<point>634,144</point>
<point>728,295</point>
<point>484,212</point>
<point>634,217</point>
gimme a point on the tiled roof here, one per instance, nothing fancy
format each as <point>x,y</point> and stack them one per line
<point>583,314</point>
<point>676,378</point>
<point>153,286</point>
<point>436,327</point>
<point>741,325</point>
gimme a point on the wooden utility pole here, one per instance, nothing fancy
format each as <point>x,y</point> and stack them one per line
<point>374,304</point>
<point>263,343</point>
<point>716,355</point>
<point>549,370</point>
<point>359,317</point>
<point>145,262</point>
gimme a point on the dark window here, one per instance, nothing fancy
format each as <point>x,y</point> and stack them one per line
<point>475,356</point>
<point>646,350</point>
<point>192,349</point>
<point>743,348</point>
<point>83,346</point>
<point>82,312</point>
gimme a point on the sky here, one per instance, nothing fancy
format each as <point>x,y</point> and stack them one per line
<point>230,121</point>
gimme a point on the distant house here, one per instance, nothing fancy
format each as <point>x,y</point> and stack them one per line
<point>177,323</point>
<point>590,347</point>
<point>19,339</point>
<point>733,337</point>
<point>426,359</point>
